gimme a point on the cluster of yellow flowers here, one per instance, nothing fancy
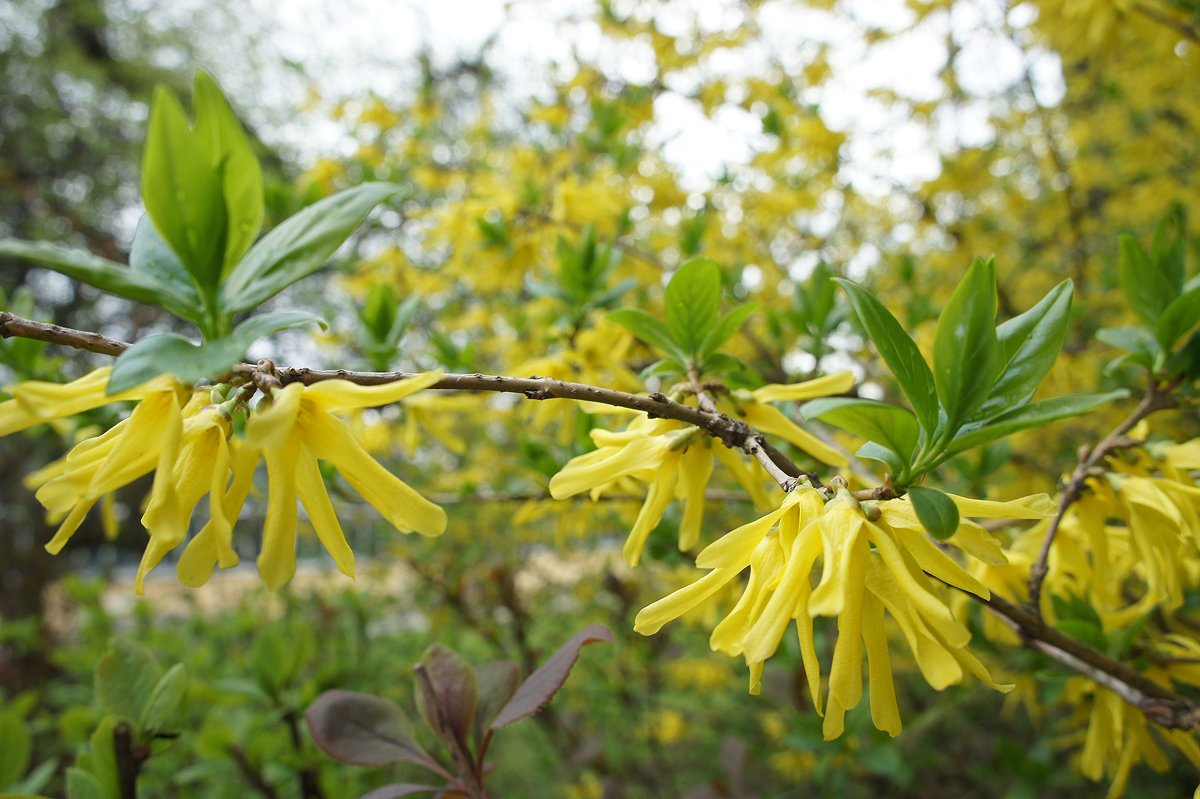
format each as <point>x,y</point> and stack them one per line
<point>185,436</point>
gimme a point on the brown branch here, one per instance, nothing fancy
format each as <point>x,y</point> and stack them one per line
<point>130,756</point>
<point>12,325</point>
<point>1159,704</point>
<point>1155,399</point>
<point>1163,18</point>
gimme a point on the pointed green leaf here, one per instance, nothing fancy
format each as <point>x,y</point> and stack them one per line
<point>1029,345</point>
<point>898,351</point>
<point>152,256</point>
<point>105,275</point>
<point>647,328</point>
<point>889,425</point>
<point>1179,317</point>
<point>936,511</point>
<point>83,785</point>
<point>726,326</point>
<point>299,246</point>
<point>966,353</point>
<point>218,128</point>
<point>692,299</point>
<point>1147,289</point>
<point>1035,414</point>
<point>182,190</point>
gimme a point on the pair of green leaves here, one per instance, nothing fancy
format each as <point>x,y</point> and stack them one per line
<point>194,254</point>
<point>1159,292</point>
<point>979,388</point>
<point>694,329</point>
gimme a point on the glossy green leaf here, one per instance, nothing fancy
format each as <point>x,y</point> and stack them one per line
<point>725,327</point>
<point>898,351</point>
<point>896,465</point>
<point>1147,289</point>
<point>889,425</point>
<point>102,273</point>
<point>966,352</point>
<point>299,246</point>
<point>663,368</point>
<point>183,191</point>
<point>645,327</point>
<point>152,256</point>
<point>218,129</point>
<point>1179,317</point>
<point>692,299</point>
<point>1035,414</point>
<point>1029,345</point>
<point>169,353</point>
<point>937,512</point>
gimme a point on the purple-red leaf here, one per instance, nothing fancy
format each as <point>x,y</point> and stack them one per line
<point>363,730</point>
<point>399,789</point>
<point>497,682</point>
<point>544,683</point>
<point>446,694</point>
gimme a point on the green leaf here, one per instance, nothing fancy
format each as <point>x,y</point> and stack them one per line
<point>692,299</point>
<point>1179,317</point>
<point>1029,345</point>
<point>218,128</point>
<point>1035,414</point>
<point>966,353</point>
<point>169,353</point>
<point>721,363</point>
<point>152,256</point>
<point>936,511</point>
<point>896,464</point>
<point>1147,288</point>
<point>726,326</point>
<point>889,425</point>
<point>182,189</point>
<point>1139,342</point>
<point>125,679</point>
<point>665,367</point>
<point>898,351</point>
<point>17,748</point>
<point>647,328</point>
<point>164,700</point>
<point>105,275</point>
<point>299,246</point>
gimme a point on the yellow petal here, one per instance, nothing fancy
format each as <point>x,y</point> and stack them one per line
<point>583,473</point>
<point>762,639</point>
<point>277,560</point>
<point>845,548</point>
<point>269,426</point>
<point>329,439</point>
<point>344,395</point>
<point>311,488</point>
<point>652,617</point>
<point>885,712</point>
<point>696,468</point>
<point>1034,506</point>
<point>838,383</point>
<point>773,422</point>
<point>662,491</point>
